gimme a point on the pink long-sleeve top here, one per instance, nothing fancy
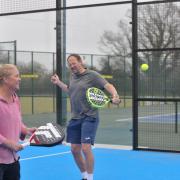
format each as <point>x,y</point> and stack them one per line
<point>10,128</point>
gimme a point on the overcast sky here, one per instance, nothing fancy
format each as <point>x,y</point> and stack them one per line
<point>35,32</point>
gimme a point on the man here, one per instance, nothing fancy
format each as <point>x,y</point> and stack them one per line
<point>11,126</point>
<point>82,127</point>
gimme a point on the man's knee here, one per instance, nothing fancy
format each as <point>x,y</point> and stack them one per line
<point>75,149</point>
<point>86,148</point>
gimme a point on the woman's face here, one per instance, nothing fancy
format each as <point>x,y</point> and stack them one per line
<point>12,81</point>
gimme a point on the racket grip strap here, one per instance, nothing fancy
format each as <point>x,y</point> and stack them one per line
<point>25,144</point>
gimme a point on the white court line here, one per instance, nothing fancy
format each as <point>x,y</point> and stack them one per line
<point>144,117</point>
<point>48,155</point>
<point>68,152</point>
<point>122,120</point>
<point>129,119</point>
<point>113,146</point>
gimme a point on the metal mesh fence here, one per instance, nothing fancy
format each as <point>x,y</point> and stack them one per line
<point>9,6</point>
<point>159,87</point>
<point>158,42</point>
<point>158,126</point>
<point>8,52</point>
<point>158,25</point>
<point>161,79</point>
<point>36,68</point>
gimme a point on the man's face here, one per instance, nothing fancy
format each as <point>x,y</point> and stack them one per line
<point>74,65</point>
<point>13,80</point>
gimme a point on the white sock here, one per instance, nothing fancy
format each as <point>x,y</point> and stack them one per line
<point>90,177</point>
<point>84,175</point>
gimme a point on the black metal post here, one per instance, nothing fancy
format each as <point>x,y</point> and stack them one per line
<point>60,58</point>
<point>176,117</point>
<point>32,80</point>
<point>135,74</point>
<point>15,49</point>
<point>54,91</point>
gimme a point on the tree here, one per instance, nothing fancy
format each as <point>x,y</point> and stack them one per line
<point>35,86</point>
<point>158,28</point>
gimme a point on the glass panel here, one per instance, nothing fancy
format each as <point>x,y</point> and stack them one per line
<point>100,35</point>
<point>9,6</point>
<point>86,2</point>
<point>158,125</point>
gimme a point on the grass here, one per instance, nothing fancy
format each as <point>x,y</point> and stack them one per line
<point>37,105</point>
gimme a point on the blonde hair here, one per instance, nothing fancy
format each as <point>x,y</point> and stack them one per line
<point>5,70</point>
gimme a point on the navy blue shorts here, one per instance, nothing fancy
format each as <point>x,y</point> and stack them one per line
<point>82,130</point>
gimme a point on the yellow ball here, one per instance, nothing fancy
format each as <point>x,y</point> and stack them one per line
<point>144,67</point>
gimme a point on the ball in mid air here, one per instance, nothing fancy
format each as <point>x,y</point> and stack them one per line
<point>144,67</point>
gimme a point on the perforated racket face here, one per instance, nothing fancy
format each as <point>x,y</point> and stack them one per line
<point>47,135</point>
<point>96,97</point>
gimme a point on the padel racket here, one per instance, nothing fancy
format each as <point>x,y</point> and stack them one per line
<point>96,97</point>
<point>49,135</point>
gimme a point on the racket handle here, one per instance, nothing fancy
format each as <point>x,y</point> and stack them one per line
<point>25,144</point>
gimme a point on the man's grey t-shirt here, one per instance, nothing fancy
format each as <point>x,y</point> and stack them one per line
<point>77,92</point>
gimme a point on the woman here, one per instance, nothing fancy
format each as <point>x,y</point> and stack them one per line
<point>11,126</point>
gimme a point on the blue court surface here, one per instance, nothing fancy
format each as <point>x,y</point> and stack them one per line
<point>56,163</point>
<point>166,118</point>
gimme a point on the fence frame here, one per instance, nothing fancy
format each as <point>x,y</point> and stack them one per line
<point>60,6</point>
